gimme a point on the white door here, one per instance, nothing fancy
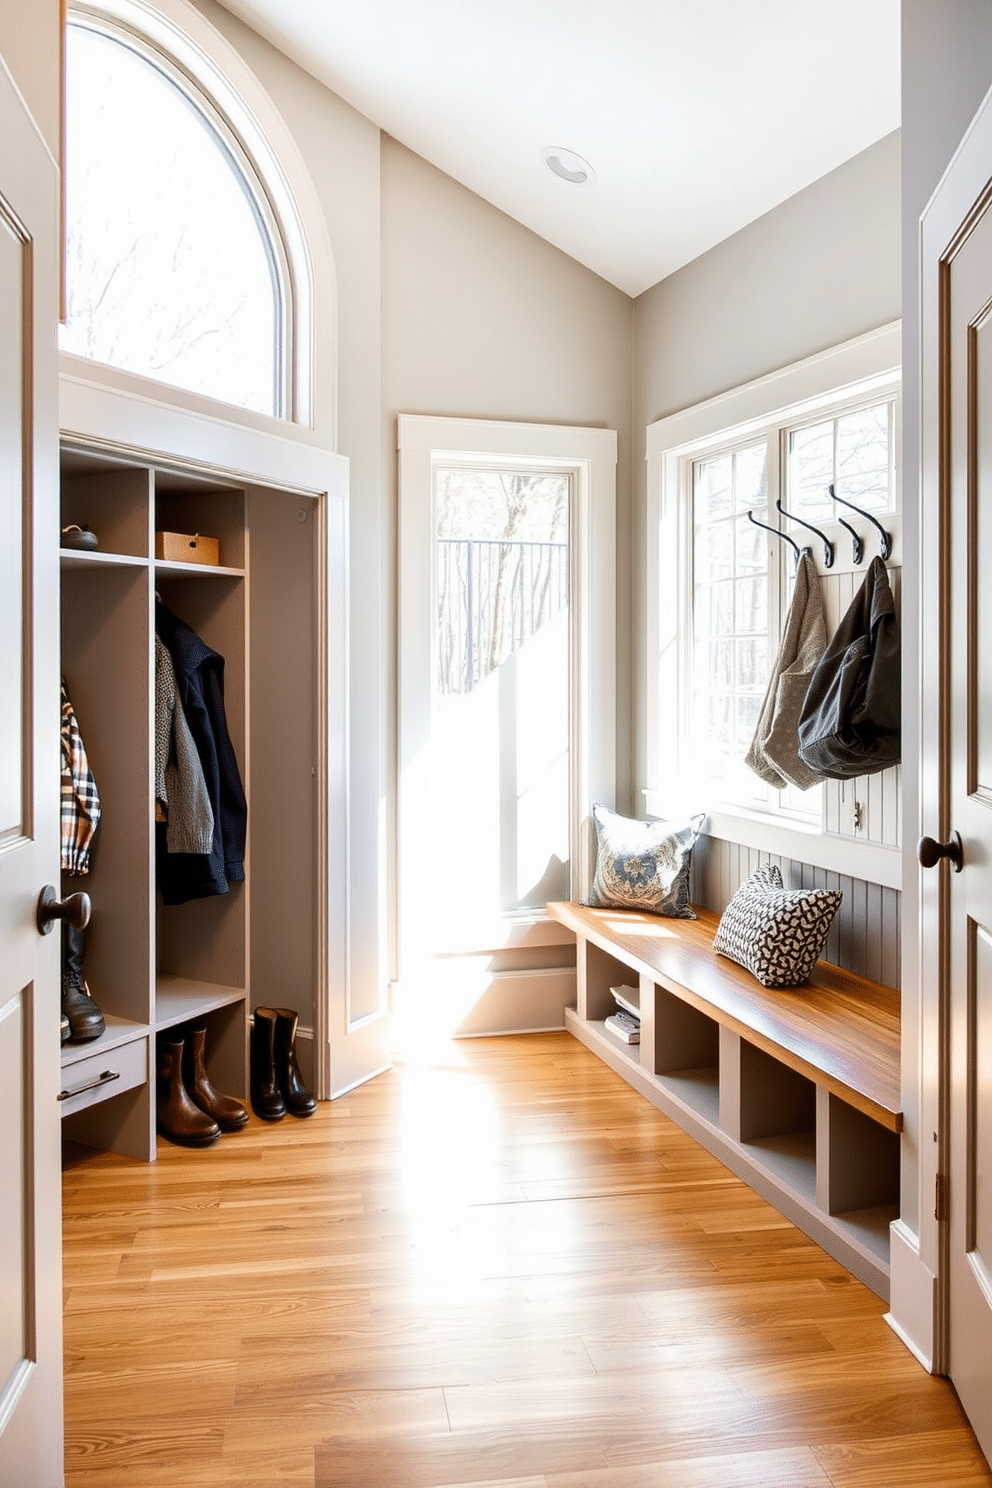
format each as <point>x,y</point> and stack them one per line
<point>958,364</point>
<point>31,1232</point>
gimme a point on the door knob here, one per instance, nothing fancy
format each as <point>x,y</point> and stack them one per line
<point>930,852</point>
<point>74,911</point>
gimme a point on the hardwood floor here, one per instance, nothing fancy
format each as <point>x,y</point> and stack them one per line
<point>499,1266</point>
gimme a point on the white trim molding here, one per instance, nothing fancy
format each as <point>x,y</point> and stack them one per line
<point>102,419</point>
<point>913,1296</point>
<point>793,840</point>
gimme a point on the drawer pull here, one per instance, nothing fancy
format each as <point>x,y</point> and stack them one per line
<point>105,1079</point>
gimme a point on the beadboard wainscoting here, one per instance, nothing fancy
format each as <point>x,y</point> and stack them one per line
<point>866,931</point>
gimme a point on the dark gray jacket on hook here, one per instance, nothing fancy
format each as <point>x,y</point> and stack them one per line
<point>199,673</point>
<point>850,723</point>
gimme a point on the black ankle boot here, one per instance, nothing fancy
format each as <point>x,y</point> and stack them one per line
<point>85,1018</point>
<point>229,1114</point>
<point>266,1097</point>
<point>177,1118</point>
<point>299,1101</point>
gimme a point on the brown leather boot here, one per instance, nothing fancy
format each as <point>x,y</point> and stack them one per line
<point>299,1101</point>
<point>179,1120</point>
<point>229,1114</point>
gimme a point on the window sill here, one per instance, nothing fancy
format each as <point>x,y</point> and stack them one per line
<point>525,929</point>
<point>799,841</point>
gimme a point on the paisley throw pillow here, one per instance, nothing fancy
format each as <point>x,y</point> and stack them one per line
<point>644,865</point>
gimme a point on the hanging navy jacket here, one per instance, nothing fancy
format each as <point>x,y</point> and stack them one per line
<point>850,721</point>
<point>200,683</point>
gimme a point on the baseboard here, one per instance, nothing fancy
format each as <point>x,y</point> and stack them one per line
<point>511,1032</point>
<point>913,1296</point>
<point>529,1001</point>
<point>458,998</point>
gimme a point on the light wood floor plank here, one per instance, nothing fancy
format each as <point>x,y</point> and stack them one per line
<point>497,1269</point>
<point>793,1467</point>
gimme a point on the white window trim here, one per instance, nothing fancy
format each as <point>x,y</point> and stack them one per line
<point>859,368</point>
<point>176,30</point>
<point>589,456</point>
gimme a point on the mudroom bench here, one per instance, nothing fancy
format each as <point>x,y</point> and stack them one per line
<point>797,1090</point>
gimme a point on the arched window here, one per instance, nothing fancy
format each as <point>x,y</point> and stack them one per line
<point>176,268</point>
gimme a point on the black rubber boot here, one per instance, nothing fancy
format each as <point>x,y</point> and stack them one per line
<point>299,1101</point>
<point>85,1018</point>
<point>266,1097</point>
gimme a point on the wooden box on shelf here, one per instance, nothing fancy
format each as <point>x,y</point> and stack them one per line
<point>184,547</point>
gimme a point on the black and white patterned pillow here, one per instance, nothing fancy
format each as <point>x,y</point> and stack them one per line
<point>775,932</point>
<point>644,865</point>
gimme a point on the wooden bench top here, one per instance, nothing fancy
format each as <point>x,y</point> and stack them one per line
<point>840,1030</point>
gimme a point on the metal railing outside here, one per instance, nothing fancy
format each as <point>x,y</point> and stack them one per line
<point>492,597</point>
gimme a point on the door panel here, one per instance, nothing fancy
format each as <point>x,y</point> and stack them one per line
<point>967,397</point>
<point>978,1237</point>
<point>30,1237</point>
<point>14,1316</point>
<point>12,253</point>
<point>980,541</point>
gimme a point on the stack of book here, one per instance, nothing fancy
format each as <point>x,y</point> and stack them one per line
<point>625,1023</point>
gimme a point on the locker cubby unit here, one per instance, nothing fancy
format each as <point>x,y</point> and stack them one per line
<point>796,1090</point>
<point>152,967</point>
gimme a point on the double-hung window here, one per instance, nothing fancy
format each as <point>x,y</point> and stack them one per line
<point>736,487</point>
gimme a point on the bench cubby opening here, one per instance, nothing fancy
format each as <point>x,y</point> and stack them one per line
<point>859,1160</point>
<point>681,1046</point>
<point>598,973</point>
<point>770,1110</point>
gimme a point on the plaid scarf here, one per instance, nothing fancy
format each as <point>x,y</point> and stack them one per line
<point>80,798</point>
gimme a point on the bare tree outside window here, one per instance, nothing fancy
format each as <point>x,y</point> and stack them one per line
<point>500,729</point>
<point>502,567</point>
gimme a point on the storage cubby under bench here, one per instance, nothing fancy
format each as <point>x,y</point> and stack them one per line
<point>797,1090</point>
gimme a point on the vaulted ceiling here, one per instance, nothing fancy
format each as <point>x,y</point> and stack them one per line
<point>697,116</point>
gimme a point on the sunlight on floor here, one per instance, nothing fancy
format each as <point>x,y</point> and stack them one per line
<point>428,1014</point>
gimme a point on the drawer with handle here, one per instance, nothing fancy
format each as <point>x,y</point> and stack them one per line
<point>103,1074</point>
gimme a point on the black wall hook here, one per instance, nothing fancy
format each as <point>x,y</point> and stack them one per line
<point>828,547</point>
<point>777,533</point>
<point>886,536</point>
<point>857,541</point>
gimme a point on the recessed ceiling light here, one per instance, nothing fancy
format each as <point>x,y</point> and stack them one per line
<point>568,166</point>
